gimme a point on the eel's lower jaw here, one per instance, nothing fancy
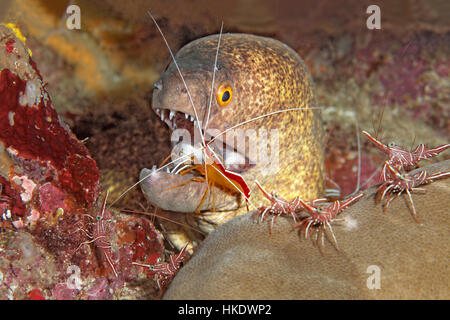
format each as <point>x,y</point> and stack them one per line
<point>174,192</point>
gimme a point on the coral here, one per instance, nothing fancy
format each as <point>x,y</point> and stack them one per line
<point>101,75</point>
<point>396,87</point>
<point>51,198</point>
<point>56,241</point>
<point>36,294</point>
<point>412,257</point>
<point>62,292</point>
<point>10,199</point>
<point>32,130</point>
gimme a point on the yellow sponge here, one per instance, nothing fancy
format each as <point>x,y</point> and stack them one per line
<point>15,29</point>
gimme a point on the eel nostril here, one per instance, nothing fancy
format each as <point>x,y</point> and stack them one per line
<point>158,85</point>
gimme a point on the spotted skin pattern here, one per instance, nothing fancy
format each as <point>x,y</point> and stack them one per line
<point>265,75</point>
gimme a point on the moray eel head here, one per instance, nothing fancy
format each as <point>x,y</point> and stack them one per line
<point>254,76</point>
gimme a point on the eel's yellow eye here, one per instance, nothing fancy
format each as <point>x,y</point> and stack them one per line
<point>224,94</point>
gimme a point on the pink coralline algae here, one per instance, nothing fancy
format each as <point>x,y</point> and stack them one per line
<point>36,133</point>
<point>10,199</point>
<point>412,75</point>
<point>10,46</point>
<point>51,198</point>
<point>52,220</point>
<point>62,292</point>
<point>399,70</point>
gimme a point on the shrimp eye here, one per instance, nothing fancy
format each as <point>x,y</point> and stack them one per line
<point>223,95</point>
<point>98,218</point>
<point>391,144</point>
<point>319,210</point>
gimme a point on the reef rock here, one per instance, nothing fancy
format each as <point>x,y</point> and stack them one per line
<point>385,256</point>
<point>57,240</point>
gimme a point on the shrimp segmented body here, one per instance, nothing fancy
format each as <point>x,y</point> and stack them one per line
<point>320,218</point>
<point>400,158</point>
<point>402,181</point>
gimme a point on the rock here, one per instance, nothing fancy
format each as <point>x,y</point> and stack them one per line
<point>241,260</point>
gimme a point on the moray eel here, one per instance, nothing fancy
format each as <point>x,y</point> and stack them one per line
<point>261,75</point>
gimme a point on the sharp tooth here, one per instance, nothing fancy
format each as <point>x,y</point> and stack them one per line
<point>158,111</point>
<point>192,118</point>
<point>186,115</point>
<point>167,169</point>
<point>154,168</point>
<point>162,115</point>
<point>171,115</point>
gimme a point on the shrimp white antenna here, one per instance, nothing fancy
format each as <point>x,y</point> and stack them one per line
<point>185,85</point>
<point>190,99</point>
<point>260,117</point>
<point>181,75</point>
<point>358,177</point>
<point>213,78</point>
<point>210,98</point>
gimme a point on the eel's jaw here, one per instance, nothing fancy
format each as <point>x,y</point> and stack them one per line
<point>187,193</point>
<point>176,192</point>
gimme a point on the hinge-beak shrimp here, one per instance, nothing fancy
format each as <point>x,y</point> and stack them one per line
<point>400,181</point>
<point>396,174</point>
<point>165,271</point>
<point>313,215</point>
<point>321,217</point>
<point>99,235</point>
<point>402,159</point>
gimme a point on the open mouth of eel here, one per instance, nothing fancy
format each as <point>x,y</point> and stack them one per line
<point>177,189</point>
